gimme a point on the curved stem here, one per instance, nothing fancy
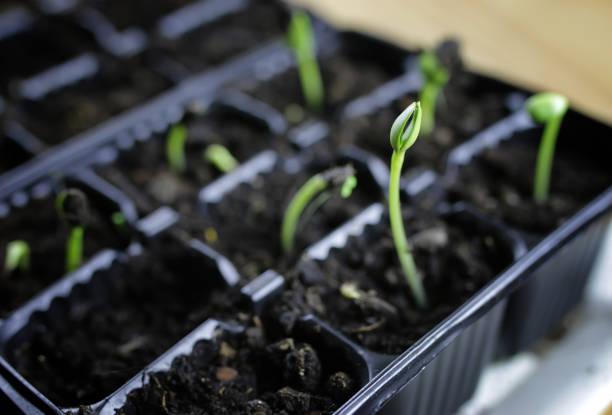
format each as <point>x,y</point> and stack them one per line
<point>314,185</point>
<point>546,152</point>
<point>74,248</point>
<point>399,234</point>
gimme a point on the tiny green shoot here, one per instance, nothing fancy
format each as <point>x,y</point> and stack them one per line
<point>435,77</point>
<point>17,257</point>
<point>118,219</point>
<point>403,135</point>
<point>74,248</point>
<point>342,177</point>
<point>175,148</point>
<point>548,108</point>
<point>72,206</point>
<point>220,157</point>
<point>301,40</point>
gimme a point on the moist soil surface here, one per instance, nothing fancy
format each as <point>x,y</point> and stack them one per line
<point>68,111</point>
<point>500,183</point>
<point>39,225</point>
<point>453,260</point>
<point>229,36</point>
<point>48,42</point>
<point>83,350</point>
<point>144,174</point>
<point>247,221</point>
<point>245,375</point>
<point>344,78</point>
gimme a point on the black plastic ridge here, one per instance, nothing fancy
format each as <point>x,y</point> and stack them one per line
<point>389,381</point>
<point>194,15</point>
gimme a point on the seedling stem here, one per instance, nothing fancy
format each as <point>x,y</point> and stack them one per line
<point>435,77</point>
<point>343,177</point>
<point>301,40</point>
<point>175,148</point>
<point>404,133</point>
<point>548,108</point>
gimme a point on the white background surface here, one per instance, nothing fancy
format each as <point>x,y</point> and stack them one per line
<point>571,375</point>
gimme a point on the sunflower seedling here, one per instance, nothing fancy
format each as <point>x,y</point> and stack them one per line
<point>17,257</point>
<point>220,157</point>
<point>548,108</point>
<point>300,38</point>
<point>404,133</point>
<point>72,206</point>
<point>435,77</point>
<point>316,191</point>
<point>175,148</point>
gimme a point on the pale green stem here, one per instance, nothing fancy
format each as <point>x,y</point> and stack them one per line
<point>546,153</point>
<point>399,234</point>
<point>74,248</point>
<point>310,78</point>
<point>428,98</point>
<point>314,185</point>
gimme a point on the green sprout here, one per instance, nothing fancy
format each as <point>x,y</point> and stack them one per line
<point>548,108</point>
<point>118,219</point>
<point>220,157</point>
<point>404,132</point>
<point>436,76</point>
<point>175,148</point>
<point>301,39</point>
<point>72,206</point>
<point>17,257</point>
<point>337,177</point>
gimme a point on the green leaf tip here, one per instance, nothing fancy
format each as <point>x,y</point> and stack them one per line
<point>432,69</point>
<point>348,186</point>
<point>17,256</point>
<point>118,219</point>
<point>546,106</point>
<point>175,148</point>
<point>406,127</point>
<point>220,157</point>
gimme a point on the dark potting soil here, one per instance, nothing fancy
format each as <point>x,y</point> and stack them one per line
<point>455,262</point>
<point>68,111</point>
<point>135,13</point>
<point>245,375</point>
<point>344,78</point>
<point>500,183</point>
<point>39,225</point>
<point>247,221</point>
<point>82,352</point>
<point>230,35</point>
<point>145,175</point>
<point>45,44</point>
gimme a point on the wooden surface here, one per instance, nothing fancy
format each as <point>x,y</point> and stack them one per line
<point>561,45</point>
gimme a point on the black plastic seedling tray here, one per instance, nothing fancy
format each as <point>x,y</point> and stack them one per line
<point>542,281</point>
